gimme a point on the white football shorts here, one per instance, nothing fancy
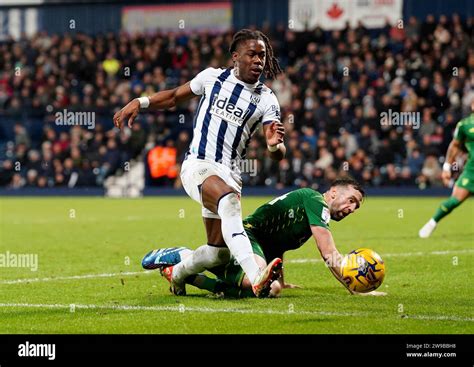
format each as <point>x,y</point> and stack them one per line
<point>193,173</point>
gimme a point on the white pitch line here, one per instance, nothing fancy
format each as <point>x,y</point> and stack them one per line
<point>400,254</point>
<point>439,318</point>
<point>182,309</point>
<point>291,261</point>
<point>74,277</point>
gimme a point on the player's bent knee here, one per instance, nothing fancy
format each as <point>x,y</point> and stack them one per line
<point>228,205</point>
<point>213,188</point>
<point>460,193</point>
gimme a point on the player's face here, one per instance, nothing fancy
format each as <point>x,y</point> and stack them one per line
<point>249,60</point>
<point>346,200</point>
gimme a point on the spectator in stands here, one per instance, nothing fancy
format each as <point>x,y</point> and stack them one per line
<point>432,171</point>
<point>334,89</point>
<point>21,135</point>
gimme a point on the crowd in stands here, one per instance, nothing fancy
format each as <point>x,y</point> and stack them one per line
<point>335,90</point>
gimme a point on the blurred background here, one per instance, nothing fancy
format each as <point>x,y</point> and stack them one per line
<point>347,66</point>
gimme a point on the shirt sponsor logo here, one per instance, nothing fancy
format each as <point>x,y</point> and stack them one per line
<point>222,108</point>
<point>276,110</point>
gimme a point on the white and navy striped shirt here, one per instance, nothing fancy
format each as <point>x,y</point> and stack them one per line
<point>229,113</point>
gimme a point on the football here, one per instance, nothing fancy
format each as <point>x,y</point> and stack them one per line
<point>363,270</point>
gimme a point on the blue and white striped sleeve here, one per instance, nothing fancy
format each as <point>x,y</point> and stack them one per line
<point>197,84</point>
<point>272,110</point>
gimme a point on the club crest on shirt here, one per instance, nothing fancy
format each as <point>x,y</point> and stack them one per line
<point>255,100</point>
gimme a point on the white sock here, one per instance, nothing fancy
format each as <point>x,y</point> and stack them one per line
<point>432,222</point>
<point>203,258</point>
<point>233,231</point>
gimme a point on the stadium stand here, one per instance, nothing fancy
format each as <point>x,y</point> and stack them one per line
<point>334,93</point>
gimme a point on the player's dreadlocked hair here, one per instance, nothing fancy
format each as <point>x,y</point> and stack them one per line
<point>272,67</point>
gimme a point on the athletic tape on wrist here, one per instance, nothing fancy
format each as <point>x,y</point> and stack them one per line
<point>144,102</point>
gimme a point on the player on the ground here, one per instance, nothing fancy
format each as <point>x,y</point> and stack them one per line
<point>464,186</point>
<point>285,223</point>
<point>234,104</point>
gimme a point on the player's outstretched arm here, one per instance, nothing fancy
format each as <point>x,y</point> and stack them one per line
<point>161,100</point>
<point>274,133</point>
<point>454,149</point>
<point>329,252</point>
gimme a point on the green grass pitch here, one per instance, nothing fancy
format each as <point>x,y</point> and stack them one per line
<point>89,277</point>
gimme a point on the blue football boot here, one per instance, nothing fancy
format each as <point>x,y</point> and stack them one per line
<point>164,257</point>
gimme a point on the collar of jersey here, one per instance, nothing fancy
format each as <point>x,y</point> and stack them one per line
<point>251,86</point>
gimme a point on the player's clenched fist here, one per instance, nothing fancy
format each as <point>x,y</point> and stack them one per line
<point>129,113</point>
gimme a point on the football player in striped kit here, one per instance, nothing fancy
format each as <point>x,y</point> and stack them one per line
<point>234,104</point>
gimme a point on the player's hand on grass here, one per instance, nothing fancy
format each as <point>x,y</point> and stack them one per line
<point>446,177</point>
<point>291,286</point>
<point>129,113</point>
<point>274,135</point>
